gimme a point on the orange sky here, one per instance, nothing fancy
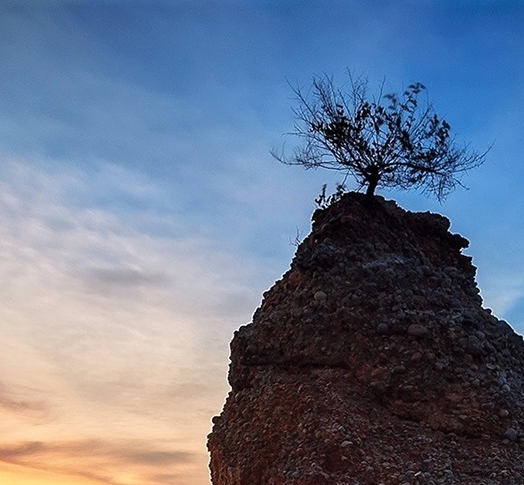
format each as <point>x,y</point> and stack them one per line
<point>11,474</point>
<point>20,475</point>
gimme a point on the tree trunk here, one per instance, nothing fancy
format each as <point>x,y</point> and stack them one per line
<point>372,185</point>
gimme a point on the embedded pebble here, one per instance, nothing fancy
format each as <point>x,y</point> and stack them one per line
<point>511,434</point>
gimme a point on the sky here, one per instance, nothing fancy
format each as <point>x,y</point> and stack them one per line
<point>142,215</point>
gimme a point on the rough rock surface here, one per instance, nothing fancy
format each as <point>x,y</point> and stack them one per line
<point>372,362</point>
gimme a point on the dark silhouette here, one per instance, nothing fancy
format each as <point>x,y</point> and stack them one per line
<point>392,141</point>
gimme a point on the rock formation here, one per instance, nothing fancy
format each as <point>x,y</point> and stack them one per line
<point>372,362</point>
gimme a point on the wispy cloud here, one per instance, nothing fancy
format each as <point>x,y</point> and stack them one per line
<point>10,402</point>
<point>96,458</point>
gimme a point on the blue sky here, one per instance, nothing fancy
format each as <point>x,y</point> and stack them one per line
<point>142,215</point>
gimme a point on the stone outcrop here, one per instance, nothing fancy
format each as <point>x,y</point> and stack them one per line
<point>372,362</point>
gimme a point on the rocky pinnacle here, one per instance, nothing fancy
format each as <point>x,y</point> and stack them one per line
<point>373,362</point>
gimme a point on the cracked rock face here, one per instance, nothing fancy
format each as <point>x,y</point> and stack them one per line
<point>373,362</point>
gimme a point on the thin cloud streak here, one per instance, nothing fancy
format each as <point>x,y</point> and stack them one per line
<point>20,407</point>
<point>140,458</point>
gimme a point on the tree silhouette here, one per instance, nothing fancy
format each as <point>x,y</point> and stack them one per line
<point>391,141</point>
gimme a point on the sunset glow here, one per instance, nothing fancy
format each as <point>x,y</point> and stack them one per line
<point>23,475</point>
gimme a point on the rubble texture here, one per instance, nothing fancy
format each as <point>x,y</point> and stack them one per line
<point>372,362</point>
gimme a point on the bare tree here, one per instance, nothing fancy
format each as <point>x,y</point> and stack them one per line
<point>390,141</point>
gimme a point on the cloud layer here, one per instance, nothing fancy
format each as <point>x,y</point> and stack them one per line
<point>112,333</point>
